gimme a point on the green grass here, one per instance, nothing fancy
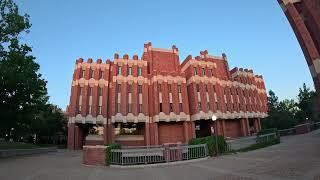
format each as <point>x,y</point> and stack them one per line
<point>21,145</point>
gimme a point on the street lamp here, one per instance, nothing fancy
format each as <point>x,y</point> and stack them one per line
<point>214,118</point>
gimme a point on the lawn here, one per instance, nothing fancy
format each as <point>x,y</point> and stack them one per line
<point>20,145</point>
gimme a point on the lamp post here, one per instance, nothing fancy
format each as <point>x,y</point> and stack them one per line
<point>214,118</point>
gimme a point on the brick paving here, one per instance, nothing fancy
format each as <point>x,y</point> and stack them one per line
<point>297,157</point>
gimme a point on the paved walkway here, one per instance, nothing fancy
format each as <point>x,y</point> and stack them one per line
<point>297,157</point>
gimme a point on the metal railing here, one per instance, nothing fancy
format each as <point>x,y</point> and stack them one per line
<point>292,131</point>
<point>157,154</point>
<point>241,143</point>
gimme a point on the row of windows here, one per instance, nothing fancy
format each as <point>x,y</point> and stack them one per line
<point>169,88</point>
<point>203,72</point>
<point>140,109</point>
<point>249,94</point>
<point>171,107</point>
<point>129,71</point>
<point>129,88</point>
<point>91,73</point>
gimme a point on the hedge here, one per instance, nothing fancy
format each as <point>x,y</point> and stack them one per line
<point>211,143</point>
<point>108,151</point>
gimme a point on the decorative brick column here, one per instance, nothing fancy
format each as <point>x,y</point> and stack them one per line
<point>94,155</point>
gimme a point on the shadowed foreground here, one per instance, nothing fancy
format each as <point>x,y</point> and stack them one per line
<point>297,157</point>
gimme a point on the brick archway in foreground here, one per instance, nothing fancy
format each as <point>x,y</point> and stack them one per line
<point>304,17</point>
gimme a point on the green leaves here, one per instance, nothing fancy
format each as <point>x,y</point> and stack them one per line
<point>288,113</point>
<point>23,91</point>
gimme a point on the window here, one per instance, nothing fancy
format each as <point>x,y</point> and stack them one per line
<point>119,70</point>
<point>119,88</point>
<point>216,106</point>
<point>206,87</point>
<point>211,72</point>
<point>79,110</point>
<point>80,91</point>
<point>129,88</point>
<point>203,72</point>
<point>180,107</point>
<point>195,71</point>
<point>139,89</point>
<point>169,88</point>
<point>198,90</point>
<point>199,106</point>
<point>140,108</point>
<point>214,89</point>
<point>99,110</point>
<point>208,105</point>
<point>101,76</point>
<point>129,70</point>
<point>100,91</point>
<point>81,73</point>
<point>160,107</point>
<point>139,71</point>
<point>90,91</point>
<point>129,108</point>
<point>159,87</point>
<point>171,107</point>
<point>118,107</point>
<point>91,73</point>
<point>179,88</point>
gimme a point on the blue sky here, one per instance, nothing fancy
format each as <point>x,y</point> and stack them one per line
<point>254,34</point>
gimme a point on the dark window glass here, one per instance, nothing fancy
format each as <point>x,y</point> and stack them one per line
<point>171,107</point>
<point>100,91</point>
<point>129,88</point>
<point>160,107</point>
<point>119,88</point>
<point>197,86</point>
<point>119,70</point>
<point>180,107</point>
<point>169,88</point>
<point>179,88</point>
<point>139,89</point>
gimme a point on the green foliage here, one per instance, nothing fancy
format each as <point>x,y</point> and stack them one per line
<point>288,113</point>
<point>23,92</point>
<point>108,151</point>
<point>211,143</point>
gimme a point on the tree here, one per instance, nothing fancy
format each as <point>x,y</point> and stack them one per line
<point>305,103</point>
<point>23,92</point>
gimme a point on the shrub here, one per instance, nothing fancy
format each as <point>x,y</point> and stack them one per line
<point>108,151</point>
<point>211,143</point>
<point>260,145</point>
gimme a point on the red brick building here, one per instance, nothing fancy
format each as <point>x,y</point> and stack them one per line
<point>156,100</point>
<point>304,17</point>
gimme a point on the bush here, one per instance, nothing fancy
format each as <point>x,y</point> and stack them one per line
<point>108,151</point>
<point>211,143</point>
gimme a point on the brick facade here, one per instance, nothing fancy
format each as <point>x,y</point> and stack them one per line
<point>164,101</point>
<point>304,17</point>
